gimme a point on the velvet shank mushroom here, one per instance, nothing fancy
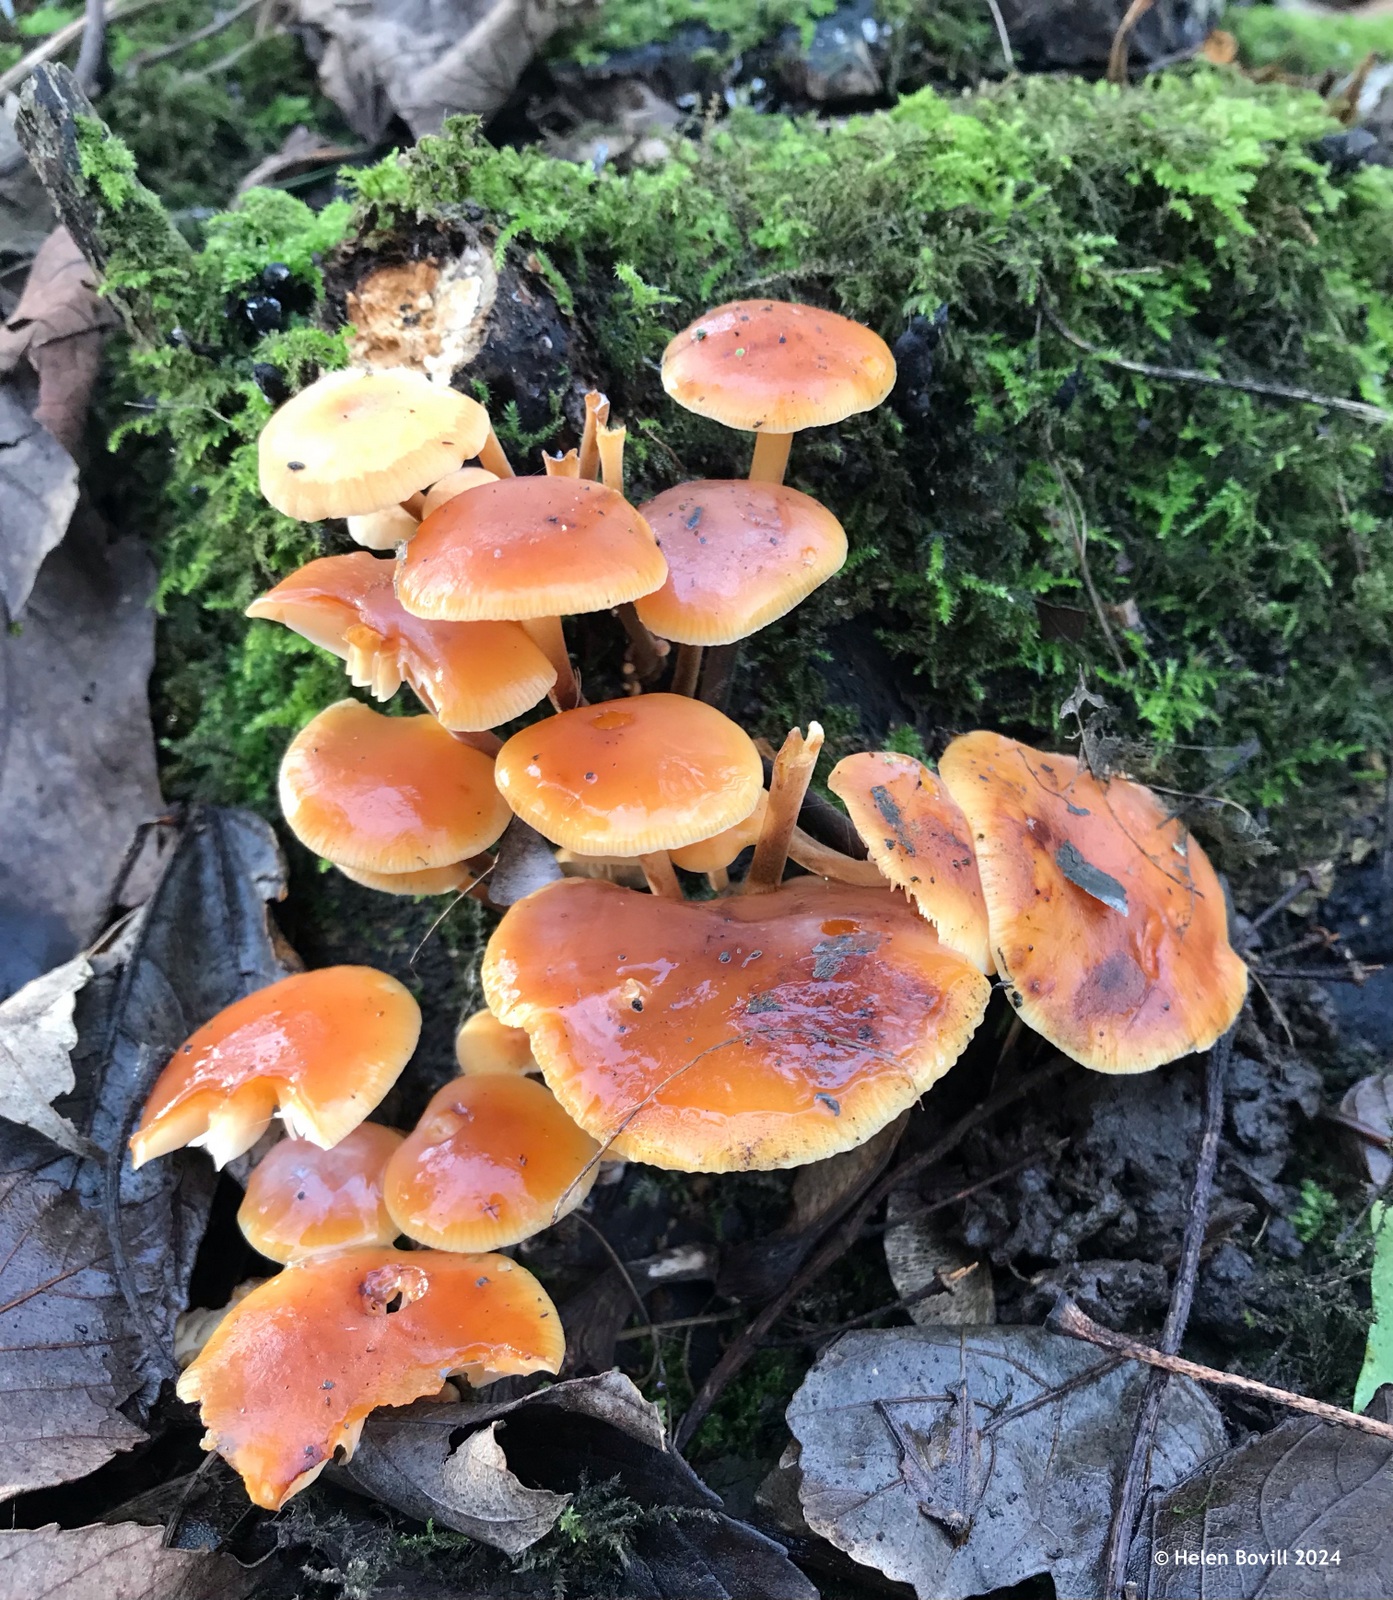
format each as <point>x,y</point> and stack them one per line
<point>290,1374</point>
<point>302,1201</point>
<point>1107,921</point>
<point>774,369</point>
<point>736,1034</point>
<point>483,1046</point>
<point>324,1046</point>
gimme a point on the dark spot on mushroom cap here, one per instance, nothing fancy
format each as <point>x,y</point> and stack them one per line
<point>295,466</point>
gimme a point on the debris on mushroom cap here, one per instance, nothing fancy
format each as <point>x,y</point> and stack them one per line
<point>324,1046</point>
<point>739,555</point>
<point>383,530</point>
<point>388,794</point>
<point>734,1034</point>
<point>918,836</point>
<point>526,548</point>
<point>772,367</point>
<point>304,1201</point>
<point>290,1374</point>
<point>493,1160</point>
<point>483,1045</point>
<point>430,880</point>
<point>471,675</point>
<point>1107,921</point>
<point>358,441</point>
<point>454,483</point>
<point>710,855</point>
<point>626,777</point>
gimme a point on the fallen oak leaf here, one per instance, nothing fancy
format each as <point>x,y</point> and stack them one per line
<point>119,1561</point>
<point>37,1037</point>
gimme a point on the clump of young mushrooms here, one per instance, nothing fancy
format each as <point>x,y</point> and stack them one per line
<point>767,1024</point>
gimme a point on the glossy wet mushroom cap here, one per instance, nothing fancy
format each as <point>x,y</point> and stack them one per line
<point>739,556</point>
<point>735,1034</point>
<point>323,1046</point>
<point>627,777</point>
<point>493,1160</point>
<point>302,1201</point>
<point>917,835</point>
<point>1107,921</point>
<point>388,794</point>
<point>483,1046</point>
<point>360,441</point>
<point>711,855</point>
<point>290,1374</point>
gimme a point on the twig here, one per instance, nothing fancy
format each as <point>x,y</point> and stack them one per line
<point>1207,380</point>
<point>1138,1469</point>
<point>650,1330</point>
<point>1342,1119</point>
<point>944,1201</point>
<point>210,30</point>
<point>1305,879</point>
<point>1117,56</point>
<point>57,43</point>
<point>1007,53</point>
<point>1068,1319</point>
<point>1078,533</point>
<point>617,1262</point>
<point>88,66</point>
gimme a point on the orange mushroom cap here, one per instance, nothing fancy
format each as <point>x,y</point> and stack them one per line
<point>471,675</point>
<point>626,777</point>
<point>454,483</point>
<point>739,555</point>
<point>710,855</point>
<point>383,530</point>
<point>388,794</point>
<point>770,367</point>
<point>484,1046</point>
<point>359,441</point>
<point>430,880</point>
<point>917,835</point>
<point>525,548</point>
<point>488,1165</point>
<point>1108,922</point>
<point>289,1375</point>
<point>303,1201</point>
<point>737,1034</point>
<point>325,1046</point>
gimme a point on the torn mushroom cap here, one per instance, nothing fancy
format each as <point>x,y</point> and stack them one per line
<point>1107,921</point>
<point>483,1046</point>
<point>471,675</point>
<point>290,1374</point>
<point>388,794</point>
<point>770,367</point>
<point>917,835</point>
<point>324,1046</point>
<point>735,1034</point>
<point>627,777</point>
<point>303,1201</point>
<point>711,855</point>
<point>359,441</point>
<point>492,1161</point>
<point>454,483</point>
<point>527,548</point>
<point>739,555</point>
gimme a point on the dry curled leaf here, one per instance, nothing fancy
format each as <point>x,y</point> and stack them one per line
<point>942,1283</point>
<point>38,494</point>
<point>116,1561</point>
<point>37,1037</point>
<point>1370,1102</point>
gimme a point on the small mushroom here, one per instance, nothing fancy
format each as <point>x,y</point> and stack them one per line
<point>430,880</point>
<point>288,1377</point>
<point>383,530</point>
<point>302,1201</point>
<point>493,1160</point>
<point>323,1046</point>
<point>712,856</point>
<point>454,483</point>
<point>483,1047</point>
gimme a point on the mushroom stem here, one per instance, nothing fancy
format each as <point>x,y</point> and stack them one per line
<point>562,466</point>
<point>596,415</point>
<point>488,742</point>
<point>611,444</point>
<point>793,771</point>
<point>719,879</point>
<point>662,878</point>
<point>492,459</point>
<point>717,674</point>
<point>770,460</point>
<point>549,637</point>
<point>647,655</point>
<point>825,862</point>
<point>687,671</point>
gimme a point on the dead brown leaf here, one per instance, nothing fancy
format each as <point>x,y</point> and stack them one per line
<point>119,1561</point>
<point>37,1038</point>
<point>38,494</point>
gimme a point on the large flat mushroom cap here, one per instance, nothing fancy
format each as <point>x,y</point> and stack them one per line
<point>358,441</point>
<point>524,548</point>
<point>1107,921</point>
<point>739,556</point>
<point>626,777</point>
<point>302,1201</point>
<point>388,794</point>
<point>292,1371</point>
<point>325,1046</point>
<point>737,1034</point>
<point>917,835</point>
<point>770,367</point>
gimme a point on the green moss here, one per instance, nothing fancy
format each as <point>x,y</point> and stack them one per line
<point>1307,41</point>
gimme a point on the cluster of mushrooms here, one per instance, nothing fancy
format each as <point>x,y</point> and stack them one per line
<point>766,1024</point>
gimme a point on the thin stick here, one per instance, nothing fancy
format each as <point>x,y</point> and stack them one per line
<point>1207,380</point>
<point>1305,879</point>
<point>651,1330</point>
<point>793,772</point>
<point>825,862</point>
<point>88,66</point>
<point>688,670</point>
<point>647,655</point>
<point>629,1283</point>
<point>493,458</point>
<point>210,30</point>
<point>611,446</point>
<point>596,416</point>
<point>770,460</point>
<point>1117,56</point>
<point>660,874</point>
<point>57,43</point>
<point>1007,53</point>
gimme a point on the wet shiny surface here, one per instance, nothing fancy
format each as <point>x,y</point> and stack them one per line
<point>388,794</point>
<point>630,776</point>
<point>773,367</point>
<point>709,855</point>
<point>524,548</point>
<point>739,555</point>
<point>471,675</point>
<point>1118,991</point>
<point>918,836</point>
<point>733,1034</point>
<point>487,1165</point>
<point>289,1375</point>
<point>326,1044</point>
<point>483,1045</point>
<point>302,1201</point>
